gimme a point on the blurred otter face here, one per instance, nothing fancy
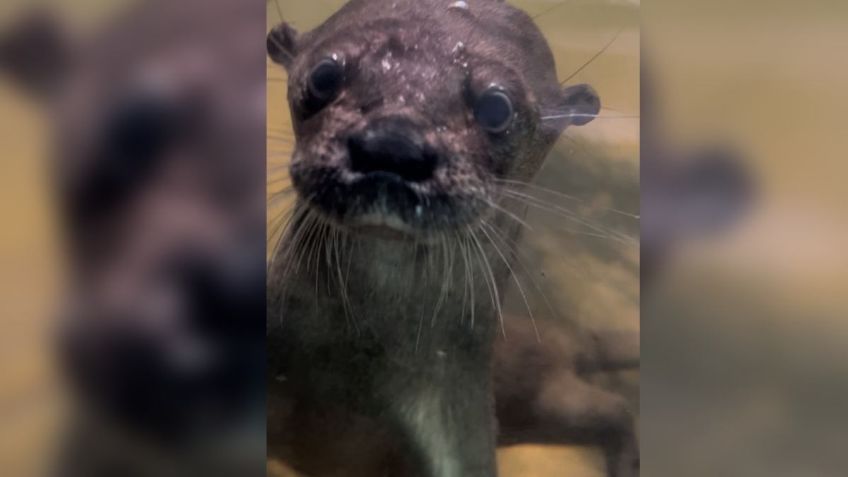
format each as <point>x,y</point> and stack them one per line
<point>408,121</point>
<point>160,171</point>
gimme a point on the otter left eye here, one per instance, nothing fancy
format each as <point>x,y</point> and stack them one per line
<point>494,111</point>
<point>325,80</point>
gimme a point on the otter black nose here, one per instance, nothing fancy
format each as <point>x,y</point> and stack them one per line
<point>391,150</point>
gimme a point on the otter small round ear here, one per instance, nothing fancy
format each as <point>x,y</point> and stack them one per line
<point>580,104</point>
<point>36,53</point>
<point>282,43</point>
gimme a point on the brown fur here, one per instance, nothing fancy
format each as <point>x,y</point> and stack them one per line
<point>385,367</point>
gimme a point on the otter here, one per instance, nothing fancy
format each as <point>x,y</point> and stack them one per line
<point>414,122</point>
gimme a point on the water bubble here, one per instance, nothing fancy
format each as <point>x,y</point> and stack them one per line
<point>459,5</point>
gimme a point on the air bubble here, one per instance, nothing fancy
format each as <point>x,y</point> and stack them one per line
<point>460,5</point>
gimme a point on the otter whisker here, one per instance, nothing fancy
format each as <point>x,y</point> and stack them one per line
<point>458,243</point>
<point>283,223</point>
<point>321,246</point>
<point>584,115</point>
<point>311,240</point>
<point>468,287</point>
<point>507,212</point>
<point>280,135</point>
<point>418,332</point>
<point>447,267</point>
<point>279,145</point>
<point>282,197</point>
<point>284,131</point>
<point>279,12</point>
<point>518,255</point>
<point>350,317</point>
<point>296,240</point>
<point>594,57</point>
<point>328,258</point>
<point>549,9</point>
<point>291,240</point>
<point>570,215</point>
<point>282,48</point>
<point>512,273</point>
<point>539,204</point>
<point>279,200</point>
<point>489,277</point>
<point>281,228</point>
<point>540,188</point>
<point>301,240</point>
<point>275,239</point>
<point>281,178</point>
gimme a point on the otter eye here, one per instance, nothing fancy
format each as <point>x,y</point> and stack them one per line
<point>494,111</point>
<point>325,80</point>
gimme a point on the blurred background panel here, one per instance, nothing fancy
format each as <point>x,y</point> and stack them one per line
<point>745,333</point>
<point>29,284</point>
<point>32,270</point>
<point>133,243</point>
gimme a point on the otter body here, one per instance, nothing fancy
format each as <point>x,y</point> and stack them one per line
<point>383,294</point>
<point>384,375</point>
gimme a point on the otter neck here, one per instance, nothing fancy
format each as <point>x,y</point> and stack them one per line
<point>420,297</point>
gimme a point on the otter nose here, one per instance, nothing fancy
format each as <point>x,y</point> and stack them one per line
<point>391,150</point>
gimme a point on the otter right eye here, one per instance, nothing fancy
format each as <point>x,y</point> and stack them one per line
<point>325,81</point>
<point>494,111</point>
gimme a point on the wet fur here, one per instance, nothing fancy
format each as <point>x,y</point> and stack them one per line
<point>381,349</point>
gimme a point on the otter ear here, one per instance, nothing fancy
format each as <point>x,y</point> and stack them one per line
<point>36,54</point>
<point>580,103</point>
<point>282,44</point>
<point>714,189</point>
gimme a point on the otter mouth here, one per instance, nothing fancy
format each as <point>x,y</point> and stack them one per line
<point>382,204</point>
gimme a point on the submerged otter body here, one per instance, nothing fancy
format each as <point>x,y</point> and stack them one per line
<point>383,302</point>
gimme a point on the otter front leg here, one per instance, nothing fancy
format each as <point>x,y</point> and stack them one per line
<point>591,415</point>
<point>449,424</point>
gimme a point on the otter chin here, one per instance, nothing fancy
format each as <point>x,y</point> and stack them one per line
<point>383,232</point>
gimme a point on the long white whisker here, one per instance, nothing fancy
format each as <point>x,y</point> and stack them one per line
<point>568,214</point>
<point>584,115</point>
<point>490,280</point>
<point>540,188</point>
<point>514,277</point>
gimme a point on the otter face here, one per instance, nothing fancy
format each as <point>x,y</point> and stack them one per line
<point>407,121</point>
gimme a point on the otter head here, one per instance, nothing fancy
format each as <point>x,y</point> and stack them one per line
<point>408,114</point>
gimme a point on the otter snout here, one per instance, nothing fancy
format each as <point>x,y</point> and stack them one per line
<point>391,148</point>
